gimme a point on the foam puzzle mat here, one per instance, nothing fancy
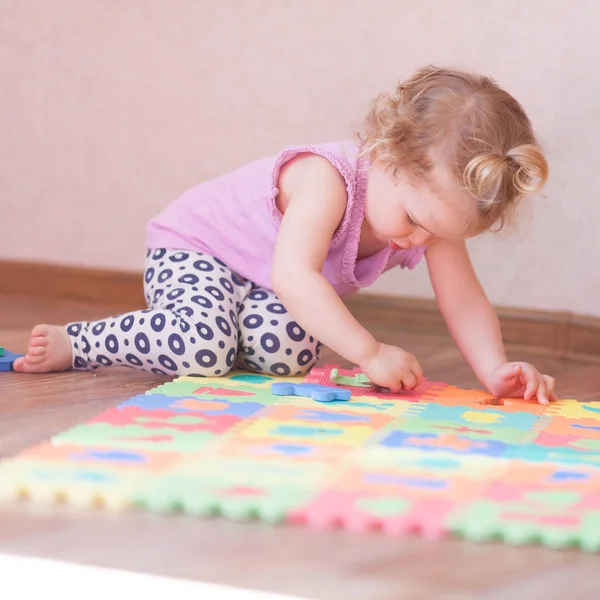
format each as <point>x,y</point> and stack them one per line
<point>436,461</point>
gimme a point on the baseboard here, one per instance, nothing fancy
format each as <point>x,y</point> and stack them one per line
<point>41,280</point>
<point>563,334</point>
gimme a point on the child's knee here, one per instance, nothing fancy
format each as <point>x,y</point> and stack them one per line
<point>281,350</point>
<point>213,361</point>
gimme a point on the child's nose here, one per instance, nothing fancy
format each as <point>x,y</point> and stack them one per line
<point>419,238</point>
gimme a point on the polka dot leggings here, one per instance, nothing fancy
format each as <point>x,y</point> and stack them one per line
<point>202,319</point>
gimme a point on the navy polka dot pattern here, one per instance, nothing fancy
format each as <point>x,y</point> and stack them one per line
<point>202,319</point>
<point>276,346</point>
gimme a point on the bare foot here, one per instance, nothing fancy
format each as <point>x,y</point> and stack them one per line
<point>49,350</point>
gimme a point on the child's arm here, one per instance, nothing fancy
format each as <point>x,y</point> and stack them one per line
<point>475,328</point>
<point>316,207</point>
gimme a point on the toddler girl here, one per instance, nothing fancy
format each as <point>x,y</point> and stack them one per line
<point>248,270</point>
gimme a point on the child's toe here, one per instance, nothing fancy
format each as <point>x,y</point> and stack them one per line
<point>35,360</point>
<point>36,351</point>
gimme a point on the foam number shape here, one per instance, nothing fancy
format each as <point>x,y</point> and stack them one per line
<point>7,359</point>
<point>320,393</point>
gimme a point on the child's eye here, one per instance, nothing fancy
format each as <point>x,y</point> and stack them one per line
<point>410,221</point>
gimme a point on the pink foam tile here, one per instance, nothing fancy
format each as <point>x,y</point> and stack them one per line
<point>49,454</point>
<point>322,376</point>
<point>564,508</point>
<point>368,511</point>
<point>394,501</point>
<point>164,418</point>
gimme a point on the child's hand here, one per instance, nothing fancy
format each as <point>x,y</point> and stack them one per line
<point>393,368</point>
<point>521,380</point>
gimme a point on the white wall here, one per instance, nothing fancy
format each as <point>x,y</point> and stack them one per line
<point>109,109</point>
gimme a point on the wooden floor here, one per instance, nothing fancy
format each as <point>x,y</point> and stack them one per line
<point>319,565</point>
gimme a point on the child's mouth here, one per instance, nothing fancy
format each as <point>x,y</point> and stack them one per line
<point>395,246</point>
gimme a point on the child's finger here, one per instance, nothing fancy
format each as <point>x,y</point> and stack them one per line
<point>542,394</point>
<point>409,381</point>
<point>550,384</point>
<point>531,385</point>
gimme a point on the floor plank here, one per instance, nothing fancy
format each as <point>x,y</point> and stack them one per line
<point>320,565</point>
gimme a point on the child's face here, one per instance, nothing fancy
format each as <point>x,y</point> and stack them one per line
<point>406,211</point>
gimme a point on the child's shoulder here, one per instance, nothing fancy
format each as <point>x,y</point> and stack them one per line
<point>333,158</point>
<point>329,167</point>
<point>346,151</point>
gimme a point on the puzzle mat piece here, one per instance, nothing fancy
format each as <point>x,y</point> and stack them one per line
<point>447,429</point>
<point>89,476</point>
<point>430,436</point>
<point>315,391</point>
<point>259,385</point>
<point>6,360</point>
<point>569,455</point>
<point>581,435</point>
<point>85,456</point>
<point>49,482</point>
<point>199,396</point>
<point>301,431</point>
<point>234,379</point>
<point>449,443</point>
<point>223,471</point>
<point>344,415</point>
<point>267,501</point>
<point>426,392</point>
<point>205,416</point>
<point>368,405</point>
<point>364,405</point>
<point>458,429</point>
<point>407,459</point>
<point>223,391</point>
<point>140,437</point>
<point>490,417</point>
<point>563,426</point>
<point>352,380</point>
<point>323,376</point>
<point>397,501</point>
<point>144,426</point>
<point>356,379</point>
<point>450,395</point>
<point>184,398</point>
<point>296,450</point>
<point>556,505</point>
<point>571,409</point>
<point>192,407</point>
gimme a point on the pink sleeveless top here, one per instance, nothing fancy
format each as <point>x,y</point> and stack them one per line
<point>234,217</point>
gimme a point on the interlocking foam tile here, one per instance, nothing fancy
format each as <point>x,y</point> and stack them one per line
<point>553,504</point>
<point>436,461</point>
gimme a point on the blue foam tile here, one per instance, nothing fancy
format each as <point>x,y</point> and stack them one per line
<point>7,359</point>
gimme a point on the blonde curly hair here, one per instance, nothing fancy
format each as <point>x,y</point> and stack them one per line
<point>481,133</point>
